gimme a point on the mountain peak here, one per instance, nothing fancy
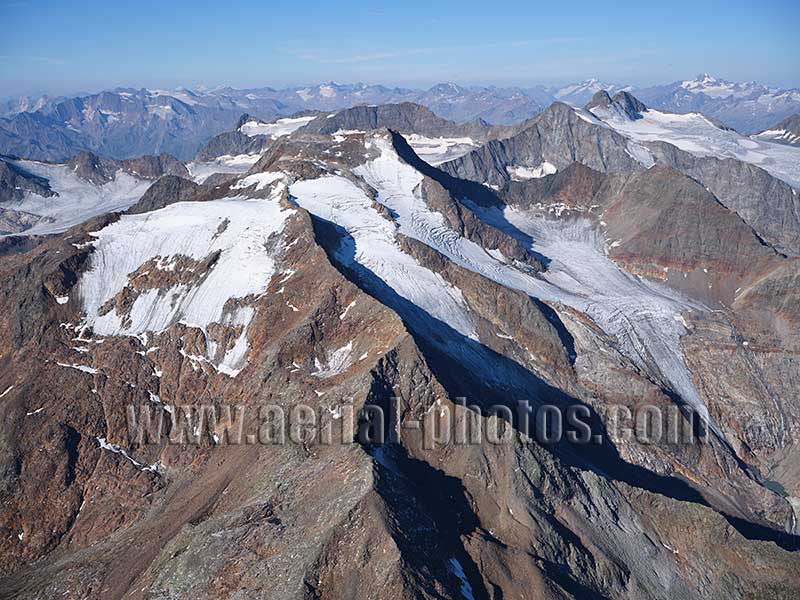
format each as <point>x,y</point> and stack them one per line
<point>705,78</point>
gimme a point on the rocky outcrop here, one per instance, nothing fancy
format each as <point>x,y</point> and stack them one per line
<point>15,182</point>
<point>98,170</point>
<point>559,136</point>
<point>167,190</point>
<point>770,206</point>
<point>232,143</point>
<point>574,187</point>
<point>16,221</point>
<point>624,103</point>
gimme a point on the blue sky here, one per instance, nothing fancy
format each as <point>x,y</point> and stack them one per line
<point>62,47</point>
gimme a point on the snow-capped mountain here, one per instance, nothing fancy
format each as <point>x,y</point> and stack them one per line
<point>129,122</point>
<point>123,123</point>
<point>579,94</point>
<point>720,88</point>
<point>747,107</point>
<point>785,132</point>
<point>615,255</point>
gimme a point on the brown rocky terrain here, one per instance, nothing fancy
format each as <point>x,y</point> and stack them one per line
<point>89,512</point>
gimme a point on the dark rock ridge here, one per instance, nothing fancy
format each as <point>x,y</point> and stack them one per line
<point>15,182</point>
<point>559,136</point>
<point>406,117</point>
<point>165,191</point>
<point>98,170</point>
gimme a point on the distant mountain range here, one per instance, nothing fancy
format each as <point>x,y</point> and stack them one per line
<point>126,122</point>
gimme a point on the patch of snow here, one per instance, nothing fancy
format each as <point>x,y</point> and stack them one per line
<point>82,368</point>
<point>240,163</point>
<point>640,154</point>
<point>244,268</point>
<point>105,445</point>
<point>779,134</point>
<point>346,310</point>
<point>519,173</point>
<point>276,129</point>
<point>260,180</point>
<point>340,135</point>
<point>62,299</point>
<point>436,151</point>
<point>335,363</point>
<point>8,389</point>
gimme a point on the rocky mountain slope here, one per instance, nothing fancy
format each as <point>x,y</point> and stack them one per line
<point>785,132</point>
<point>756,179</point>
<point>567,262</point>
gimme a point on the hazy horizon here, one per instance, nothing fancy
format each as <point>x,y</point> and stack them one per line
<point>56,48</point>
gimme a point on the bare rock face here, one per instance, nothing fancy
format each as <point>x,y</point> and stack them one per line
<point>232,143</point>
<point>15,221</point>
<point>365,279</point>
<point>664,220</point>
<point>98,170</point>
<point>167,190</point>
<point>14,182</point>
<point>575,187</point>
<point>770,206</point>
<point>558,136</point>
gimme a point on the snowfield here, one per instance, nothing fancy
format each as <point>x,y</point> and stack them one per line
<point>276,129</point>
<point>375,247</point>
<point>644,316</point>
<point>237,228</point>
<point>697,135</point>
<point>436,151</point>
<point>77,200</point>
<point>241,163</point>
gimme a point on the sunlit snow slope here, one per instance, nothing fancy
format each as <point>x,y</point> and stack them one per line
<point>77,199</point>
<point>644,316</point>
<point>238,229</point>
<point>276,129</point>
<point>697,135</point>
